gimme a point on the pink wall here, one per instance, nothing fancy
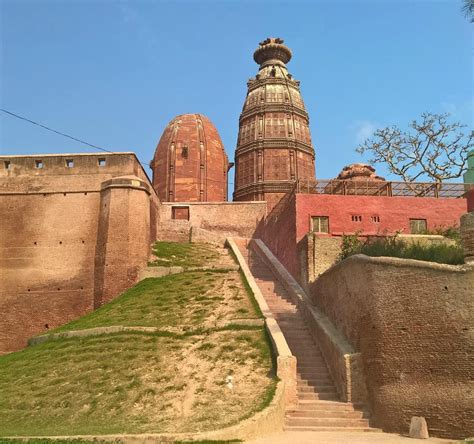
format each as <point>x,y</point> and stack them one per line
<point>394,213</point>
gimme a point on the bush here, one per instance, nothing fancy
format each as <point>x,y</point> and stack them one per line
<point>393,246</point>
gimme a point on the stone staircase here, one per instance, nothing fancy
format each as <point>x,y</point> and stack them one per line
<point>319,408</point>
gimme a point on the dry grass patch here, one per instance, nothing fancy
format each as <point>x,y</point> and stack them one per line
<point>135,383</point>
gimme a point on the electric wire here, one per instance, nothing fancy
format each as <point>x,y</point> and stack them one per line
<point>87,143</point>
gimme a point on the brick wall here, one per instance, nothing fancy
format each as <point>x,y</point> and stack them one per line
<point>394,213</point>
<point>237,219</point>
<point>278,232</point>
<point>290,221</point>
<point>411,321</point>
<point>49,238</point>
<point>319,254</point>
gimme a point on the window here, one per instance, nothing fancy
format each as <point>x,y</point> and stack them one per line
<point>39,164</point>
<point>320,224</point>
<point>7,164</point>
<point>356,218</point>
<point>180,213</point>
<point>375,219</point>
<point>101,162</point>
<point>69,163</point>
<point>417,226</point>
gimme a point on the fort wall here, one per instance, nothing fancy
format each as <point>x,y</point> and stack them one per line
<point>49,238</point>
<point>209,221</point>
<point>411,320</point>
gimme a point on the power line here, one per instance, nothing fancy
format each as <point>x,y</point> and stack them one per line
<point>57,132</point>
<point>79,140</point>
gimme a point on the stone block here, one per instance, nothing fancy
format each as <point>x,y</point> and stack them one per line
<point>418,428</point>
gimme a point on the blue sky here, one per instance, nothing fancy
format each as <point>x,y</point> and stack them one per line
<point>115,72</point>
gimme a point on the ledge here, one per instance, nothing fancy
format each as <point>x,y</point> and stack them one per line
<point>98,331</point>
<point>401,262</point>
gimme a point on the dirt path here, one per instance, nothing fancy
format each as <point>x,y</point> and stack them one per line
<point>342,438</point>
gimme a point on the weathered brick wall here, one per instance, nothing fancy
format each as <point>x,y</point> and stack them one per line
<point>123,240</point>
<point>317,254</point>
<point>278,232</point>
<point>238,219</point>
<point>467,235</point>
<point>49,239</point>
<point>412,322</point>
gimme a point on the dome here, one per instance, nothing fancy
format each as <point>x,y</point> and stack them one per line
<point>359,171</point>
<point>190,164</point>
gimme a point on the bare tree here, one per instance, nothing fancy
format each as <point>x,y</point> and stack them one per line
<point>436,150</point>
<point>468,9</point>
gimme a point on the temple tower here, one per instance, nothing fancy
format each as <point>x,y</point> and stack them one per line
<point>190,164</point>
<point>274,146</point>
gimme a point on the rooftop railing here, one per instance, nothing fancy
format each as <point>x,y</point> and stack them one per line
<point>381,188</point>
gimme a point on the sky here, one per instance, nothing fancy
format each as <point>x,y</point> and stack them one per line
<point>114,73</point>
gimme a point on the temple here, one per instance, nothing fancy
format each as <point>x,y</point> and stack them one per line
<point>190,164</point>
<point>274,147</point>
<point>77,230</point>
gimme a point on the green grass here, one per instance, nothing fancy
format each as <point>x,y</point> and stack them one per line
<point>98,441</point>
<point>170,254</point>
<point>395,247</point>
<point>132,383</point>
<point>173,380</point>
<point>56,441</point>
<point>185,301</point>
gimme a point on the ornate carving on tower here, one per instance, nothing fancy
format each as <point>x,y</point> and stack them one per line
<point>274,146</point>
<point>190,164</point>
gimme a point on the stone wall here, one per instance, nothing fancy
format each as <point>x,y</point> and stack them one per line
<point>467,235</point>
<point>55,227</point>
<point>316,255</point>
<point>412,323</point>
<point>216,220</point>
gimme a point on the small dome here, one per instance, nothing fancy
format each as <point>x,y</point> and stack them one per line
<point>359,171</point>
<point>190,164</point>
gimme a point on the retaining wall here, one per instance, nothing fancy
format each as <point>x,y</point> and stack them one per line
<point>412,322</point>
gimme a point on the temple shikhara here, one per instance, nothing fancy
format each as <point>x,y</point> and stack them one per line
<point>392,334</point>
<point>274,146</point>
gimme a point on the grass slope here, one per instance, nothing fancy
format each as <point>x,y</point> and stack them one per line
<point>137,382</point>
<point>170,254</point>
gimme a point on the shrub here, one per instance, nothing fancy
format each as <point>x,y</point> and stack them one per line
<point>392,246</point>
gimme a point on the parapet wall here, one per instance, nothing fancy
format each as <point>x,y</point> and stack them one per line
<point>412,322</point>
<point>55,229</point>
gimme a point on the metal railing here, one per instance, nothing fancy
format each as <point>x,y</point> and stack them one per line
<point>381,188</point>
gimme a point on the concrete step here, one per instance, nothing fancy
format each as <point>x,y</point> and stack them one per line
<point>326,405</point>
<point>350,414</point>
<point>325,422</point>
<point>308,368</point>
<point>329,429</point>
<point>330,396</point>
<point>322,380</point>
<point>316,390</point>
